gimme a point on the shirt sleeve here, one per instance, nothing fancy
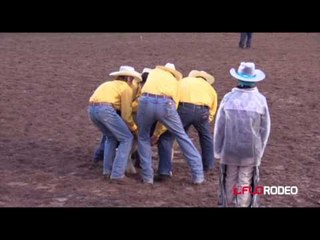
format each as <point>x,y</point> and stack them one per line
<point>214,106</point>
<point>177,96</point>
<point>265,127</point>
<point>126,109</point>
<point>219,128</point>
<point>135,102</point>
<point>160,129</point>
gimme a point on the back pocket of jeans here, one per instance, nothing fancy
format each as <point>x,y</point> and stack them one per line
<point>170,108</point>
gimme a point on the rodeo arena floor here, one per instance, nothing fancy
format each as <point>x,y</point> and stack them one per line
<point>47,140</point>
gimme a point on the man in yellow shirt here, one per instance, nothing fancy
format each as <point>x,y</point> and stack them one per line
<point>197,107</point>
<point>136,93</point>
<point>158,103</point>
<point>108,98</point>
<point>136,88</point>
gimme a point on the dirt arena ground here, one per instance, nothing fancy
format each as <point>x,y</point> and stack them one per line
<point>47,140</point>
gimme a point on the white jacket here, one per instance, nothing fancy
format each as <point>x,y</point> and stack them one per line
<point>242,128</point>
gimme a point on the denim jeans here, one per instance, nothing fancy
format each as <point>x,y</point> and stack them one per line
<point>98,154</point>
<point>245,39</point>
<point>152,109</point>
<point>190,114</point>
<point>117,134</point>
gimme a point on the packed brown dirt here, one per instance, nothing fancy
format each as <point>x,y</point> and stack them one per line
<point>47,141</point>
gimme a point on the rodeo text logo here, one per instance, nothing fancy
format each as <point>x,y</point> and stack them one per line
<point>266,190</point>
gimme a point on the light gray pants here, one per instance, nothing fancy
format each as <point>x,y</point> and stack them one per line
<point>238,177</point>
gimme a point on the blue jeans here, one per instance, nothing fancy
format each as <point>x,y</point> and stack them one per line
<point>98,154</point>
<point>190,114</point>
<point>245,39</point>
<point>152,109</point>
<point>117,135</point>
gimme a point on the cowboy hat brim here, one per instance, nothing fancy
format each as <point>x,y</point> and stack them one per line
<point>127,73</point>
<point>146,70</point>
<point>176,73</point>
<point>257,78</point>
<point>209,78</point>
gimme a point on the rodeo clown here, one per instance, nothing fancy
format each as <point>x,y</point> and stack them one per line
<point>241,133</point>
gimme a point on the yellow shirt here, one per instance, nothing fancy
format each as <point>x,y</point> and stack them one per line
<point>136,88</point>
<point>119,94</point>
<point>161,82</point>
<point>199,92</point>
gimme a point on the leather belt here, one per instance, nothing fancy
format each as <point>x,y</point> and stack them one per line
<point>155,96</point>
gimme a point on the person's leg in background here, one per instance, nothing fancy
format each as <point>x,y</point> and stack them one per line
<point>243,37</point>
<point>165,154</point>
<point>202,125</point>
<point>249,37</point>
<point>98,154</point>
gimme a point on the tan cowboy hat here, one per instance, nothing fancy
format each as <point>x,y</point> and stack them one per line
<point>172,69</point>
<point>247,72</point>
<point>127,71</point>
<point>209,78</point>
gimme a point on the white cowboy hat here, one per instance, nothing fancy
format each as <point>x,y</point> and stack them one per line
<point>146,70</point>
<point>127,71</point>
<point>195,73</point>
<point>172,69</point>
<point>247,72</point>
